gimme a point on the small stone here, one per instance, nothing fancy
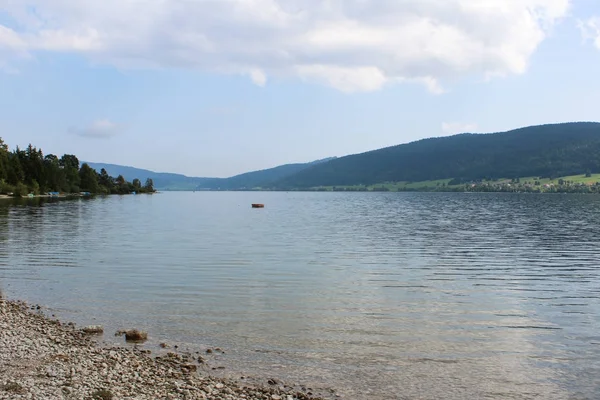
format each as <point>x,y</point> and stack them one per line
<point>93,329</point>
<point>189,368</point>
<point>134,335</point>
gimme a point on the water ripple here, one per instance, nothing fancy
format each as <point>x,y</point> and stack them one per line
<point>377,294</point>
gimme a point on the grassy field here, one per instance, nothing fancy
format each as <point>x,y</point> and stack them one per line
<point>572,179</point>
<point>439,184</point>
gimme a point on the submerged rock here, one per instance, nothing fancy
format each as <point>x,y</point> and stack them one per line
<point>189,368</point>
<point>133,335</point>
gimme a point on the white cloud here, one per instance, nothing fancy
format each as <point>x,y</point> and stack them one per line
<point>100,129</point>
<point>352,45</point>
<point>590,30</point>
<point>258,77</point>
<point>346,79</point>
<point>452,128</point>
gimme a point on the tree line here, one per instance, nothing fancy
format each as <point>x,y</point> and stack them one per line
<point>28,171</point>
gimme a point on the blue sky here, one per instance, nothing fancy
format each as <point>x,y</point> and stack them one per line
<point>220,87</point>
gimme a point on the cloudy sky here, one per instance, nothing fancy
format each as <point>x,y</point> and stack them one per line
<point>218,87</point>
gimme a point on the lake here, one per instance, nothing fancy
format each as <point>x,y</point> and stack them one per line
<point>377,295</point>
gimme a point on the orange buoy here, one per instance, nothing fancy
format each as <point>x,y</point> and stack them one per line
<point>256,205</point>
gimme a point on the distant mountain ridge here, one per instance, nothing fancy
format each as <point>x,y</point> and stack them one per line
<point>169,181</point>
<point>543,151</point>
<point>546,151</point>
<point>261,179</point>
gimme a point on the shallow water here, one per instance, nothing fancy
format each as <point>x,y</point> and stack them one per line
<point>378,295</point>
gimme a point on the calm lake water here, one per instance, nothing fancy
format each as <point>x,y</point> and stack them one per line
<point>378,295</point>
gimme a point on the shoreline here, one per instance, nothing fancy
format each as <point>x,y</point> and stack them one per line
<point>43,357</point>
<point>66,196</point>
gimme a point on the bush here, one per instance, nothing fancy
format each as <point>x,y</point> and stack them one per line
<point>20,190</point>
<point>6,188</point>
<point>35,187</point>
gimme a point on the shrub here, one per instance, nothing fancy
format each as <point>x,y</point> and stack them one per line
<point>35,187</point>
<point>20,190</point>
<point>6,188</point>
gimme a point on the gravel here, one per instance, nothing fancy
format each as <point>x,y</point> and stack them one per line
<point>41,358</point>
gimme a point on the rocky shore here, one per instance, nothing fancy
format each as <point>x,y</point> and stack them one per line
<point>42,358</point>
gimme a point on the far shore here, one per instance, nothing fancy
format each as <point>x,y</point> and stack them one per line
<point>61,196</point>
<point>38,196</point>
<point>44,358</point>
<point>44,196</point>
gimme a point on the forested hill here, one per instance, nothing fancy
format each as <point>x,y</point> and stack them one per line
<point>544,151</point>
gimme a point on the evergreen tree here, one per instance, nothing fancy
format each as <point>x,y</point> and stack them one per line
<point>70,165</point>
<point>3,161</point>
<point>149,186</point>
<point>15,174</point>
<point>106,181</point>
<point>88,179</point>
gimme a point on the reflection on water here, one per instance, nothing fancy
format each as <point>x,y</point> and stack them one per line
<point>380,295</point>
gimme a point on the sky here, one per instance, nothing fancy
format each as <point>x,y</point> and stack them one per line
<point>221,87</point>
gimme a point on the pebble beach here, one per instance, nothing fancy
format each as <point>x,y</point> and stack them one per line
<point>44,358</point>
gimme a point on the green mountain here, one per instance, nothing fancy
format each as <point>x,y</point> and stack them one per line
<point>541,151</point>
<point>168,181</point>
